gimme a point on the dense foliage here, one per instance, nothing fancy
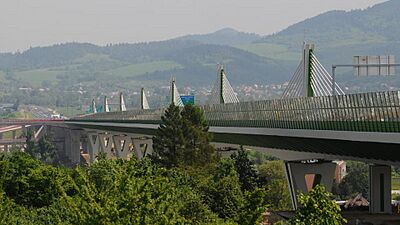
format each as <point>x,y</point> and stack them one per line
<point>44,150</point>
<point>183,183</point>
<point>317,208</point>
<point>123,192</point>
<point>272,176</point>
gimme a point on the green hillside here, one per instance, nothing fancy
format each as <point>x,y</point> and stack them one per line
<point>193,63</point>
<point>192,59</point>
<point>336,33</point>
<point>339,35</point>
<point>138,69</point>
<point>271,50</point>
<point>226,36</point>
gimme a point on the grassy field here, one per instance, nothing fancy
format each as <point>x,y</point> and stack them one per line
<point>272,51</point>
<point>93,58</point>
<point>36,77</point>
<point>143,68</point>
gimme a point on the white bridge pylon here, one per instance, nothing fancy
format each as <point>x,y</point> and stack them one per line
<point>144,104</point>
<point>222,91</point>
<point>122,106</point>
<point>106,108</point>
<point>175,96</point>
<point>311,79</point>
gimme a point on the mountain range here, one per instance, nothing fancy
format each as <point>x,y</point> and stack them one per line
<point>192,59</point>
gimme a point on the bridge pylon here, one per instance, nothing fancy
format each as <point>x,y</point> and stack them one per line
<point>93,106</point>
<point>311,79</point>
<point>144,104</point>
<point>175,96</point>
<point>122,106</point>
<point>222,91</point>
<point>106,108</point>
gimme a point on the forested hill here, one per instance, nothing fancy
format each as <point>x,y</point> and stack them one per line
<point>226,36</point>
<point>341,34</point>
<point>191,62</point>
<point>248,58</point>
<point>377,24</point>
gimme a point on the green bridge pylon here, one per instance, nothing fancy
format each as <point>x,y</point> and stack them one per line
<point>222,91</point>
<point>175,96</point>
<point>144,104</point>
<point>310,79</point>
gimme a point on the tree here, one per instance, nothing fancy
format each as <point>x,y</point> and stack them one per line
<point>183,138</point>
<point>197,148</point>
<point>222,192</point>
<point>30,144</point>
<point>29,182</point>
<point>169,139</point>
<point>245,168</point>
<point>272,177</point>
<point>46,150</point>
<point>317,208</point>
<point>356,180</point>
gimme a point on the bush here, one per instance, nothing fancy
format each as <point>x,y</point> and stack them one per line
<point>123,192</point>
<point>317,208</point>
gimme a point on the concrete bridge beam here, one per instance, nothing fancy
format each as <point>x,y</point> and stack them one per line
<point>118,145</point>
<point>142,147</point>
<point>123,145</point>
<point>106,144</point>
<point>380,178</point>
<point>94,145</point>
<point>304,176</point>
<point>72,145</point>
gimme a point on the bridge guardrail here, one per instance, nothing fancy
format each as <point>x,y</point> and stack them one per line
<point>369,112</point>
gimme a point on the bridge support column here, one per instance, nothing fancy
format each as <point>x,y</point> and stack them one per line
<point>73,146</point>
<point>380,186</point>
<point>142,147</point>
<point>106,144</point>
<point>1,135</point>
<point>304,176</point>
<point>94,145</point>
<point>122,146</point>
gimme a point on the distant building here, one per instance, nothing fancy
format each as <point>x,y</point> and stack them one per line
<point>341,171</point>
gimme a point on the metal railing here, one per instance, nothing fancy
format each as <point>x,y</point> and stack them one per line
<point>369,112</point>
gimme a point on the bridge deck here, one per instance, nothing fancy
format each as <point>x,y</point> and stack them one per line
<point>359,126</point>
<point>365,112</point>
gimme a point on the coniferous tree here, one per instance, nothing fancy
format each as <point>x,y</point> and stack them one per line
<point>245,168</point>
<point>198,150</point>
<point>169,141</point>
<point>183,138</point>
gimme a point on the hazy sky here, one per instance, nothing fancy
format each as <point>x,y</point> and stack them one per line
<point>25,23</point>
